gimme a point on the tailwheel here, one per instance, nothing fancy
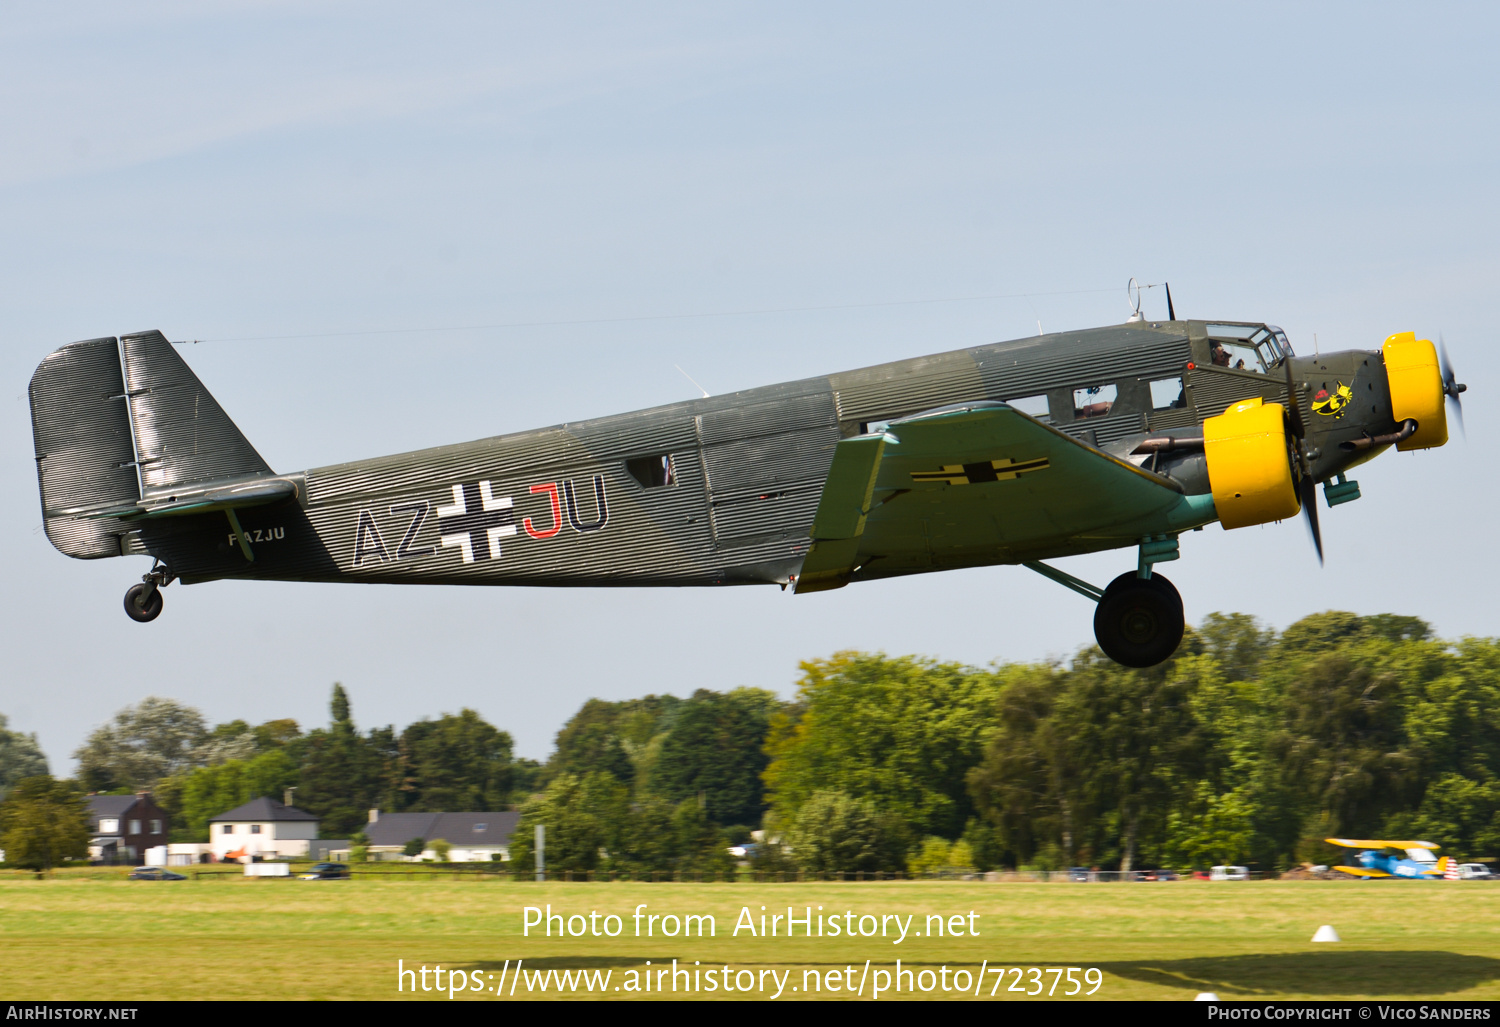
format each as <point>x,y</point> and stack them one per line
<point>1138,622</point>
<point>143,607</point>
<point>143,602</point>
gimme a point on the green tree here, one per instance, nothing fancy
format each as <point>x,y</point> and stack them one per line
<point>1237,643</point>
<point>43,822</point>
<point>1029,783</point>
<point>415,847</point>
<point>20,757</point>
<point>344,775</point>
<point>208,791</point>
<point>143,743</point>
<point>716,749</point>
<point>615,738</point>
<point>586,819</point>
<point>455,763</point>
<point>837,834</point>
<point>902,732</point>
<point>440,849</point>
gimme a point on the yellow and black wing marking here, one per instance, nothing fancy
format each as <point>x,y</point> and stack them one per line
<point>1003,469</point>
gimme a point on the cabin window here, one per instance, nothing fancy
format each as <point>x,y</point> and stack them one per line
<point>873,427</point>
<point>1033,406</point>
<point>653,471</point>
<point>1167,394</point>
<point>1094,401</point>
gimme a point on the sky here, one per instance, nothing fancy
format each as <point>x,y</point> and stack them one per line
<point>394,226</point>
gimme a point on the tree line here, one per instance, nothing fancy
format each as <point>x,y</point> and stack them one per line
<point>1249,746</point>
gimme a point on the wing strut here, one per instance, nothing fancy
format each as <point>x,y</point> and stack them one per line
<point>1066,580</point>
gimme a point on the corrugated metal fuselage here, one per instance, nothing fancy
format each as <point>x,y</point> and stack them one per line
<point>714,491</point>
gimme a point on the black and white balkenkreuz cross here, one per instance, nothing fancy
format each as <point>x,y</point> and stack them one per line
<point>476,514</point>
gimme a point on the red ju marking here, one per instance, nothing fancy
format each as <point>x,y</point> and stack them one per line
<point>551,489</point>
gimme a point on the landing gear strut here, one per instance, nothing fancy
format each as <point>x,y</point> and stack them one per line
<point>143,602</point>
<point>1138,621</point>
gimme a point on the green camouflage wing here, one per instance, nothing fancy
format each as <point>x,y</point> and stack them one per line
<point>960,486</point>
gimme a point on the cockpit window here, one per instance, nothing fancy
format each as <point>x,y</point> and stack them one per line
<point>1247,347</point>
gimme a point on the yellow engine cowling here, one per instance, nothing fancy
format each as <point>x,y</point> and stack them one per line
<point>1411,368</point>
<point>1249,464</point>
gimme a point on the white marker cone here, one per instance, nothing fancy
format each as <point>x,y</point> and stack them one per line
<point>1327,933</point>
<point>1206,996</point>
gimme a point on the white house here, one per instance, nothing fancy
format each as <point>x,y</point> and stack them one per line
<point>474,837</point>
<point>262,827</point>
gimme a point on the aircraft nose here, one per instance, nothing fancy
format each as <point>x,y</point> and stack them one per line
<point>1417,389</point>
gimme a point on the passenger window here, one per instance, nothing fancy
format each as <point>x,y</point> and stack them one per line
<point>1167,394</point>
<point>653,471</point>
<point>1093,402</point>
<point>1034,406</point>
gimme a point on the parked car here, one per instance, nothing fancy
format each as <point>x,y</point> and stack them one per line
<point>326,872</point>
<point>1201,875</point>
<point>1229,874</point>
<point>154,874</point>
<point>1166,875</point>
<point>1145,875</point>
<point>1474,872</point>
<point>1079,874</point>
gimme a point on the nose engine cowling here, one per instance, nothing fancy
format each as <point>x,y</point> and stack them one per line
<point>1417,389</point>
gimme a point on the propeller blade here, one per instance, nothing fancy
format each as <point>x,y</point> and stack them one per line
<point>1451,388</point>
<point>1309,490</point>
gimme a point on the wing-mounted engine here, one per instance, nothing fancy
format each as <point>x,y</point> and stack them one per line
<point>1250,464</point>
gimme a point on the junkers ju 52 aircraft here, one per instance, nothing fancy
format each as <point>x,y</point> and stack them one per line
<point>1012,453</point>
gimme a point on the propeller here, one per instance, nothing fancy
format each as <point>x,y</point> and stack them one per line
<point>1307,488</point>
<point>1452,387</point>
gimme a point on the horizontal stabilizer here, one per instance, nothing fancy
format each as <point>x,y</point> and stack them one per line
<point>256,492</point>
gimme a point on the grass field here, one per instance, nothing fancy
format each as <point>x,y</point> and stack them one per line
<point>76,938</point>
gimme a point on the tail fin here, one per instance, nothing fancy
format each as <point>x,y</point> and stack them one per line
<point>182,435</point>
<point>119,421</point>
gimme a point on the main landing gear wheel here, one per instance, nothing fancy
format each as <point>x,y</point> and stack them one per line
<point>1138,622</point>
<point>140,606</point>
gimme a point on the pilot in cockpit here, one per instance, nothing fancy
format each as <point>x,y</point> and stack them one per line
<point>1219,354</point>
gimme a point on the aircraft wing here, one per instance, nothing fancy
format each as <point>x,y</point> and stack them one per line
<point>1375,843</point>
<point>958,486</point>
<point>1363,872</point>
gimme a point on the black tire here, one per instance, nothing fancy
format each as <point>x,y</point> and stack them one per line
<point>1138,623</point>
<point>139,611</point>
